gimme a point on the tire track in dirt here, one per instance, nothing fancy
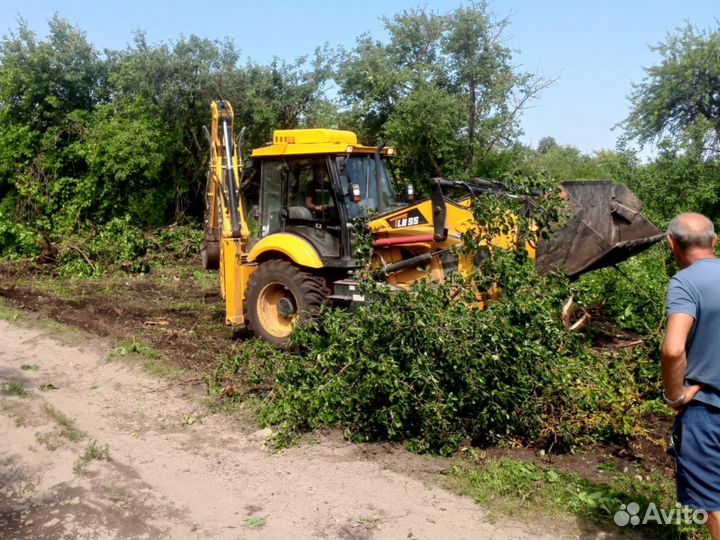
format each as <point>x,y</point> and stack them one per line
<point>177,471</point>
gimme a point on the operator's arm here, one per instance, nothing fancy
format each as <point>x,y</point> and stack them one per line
<point>674,358</point>
<point>311,205</point>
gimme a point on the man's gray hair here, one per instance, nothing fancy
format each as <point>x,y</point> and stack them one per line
<point>691,230</point>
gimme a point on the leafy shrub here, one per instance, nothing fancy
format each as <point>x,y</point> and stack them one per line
<point>251,371</point>
<point>628,304</point>
<point>16,239</point>
<point>427,367</point>
<point>633,295</point>
<point>120,245</point>
<point>174,243</point>
<point>420,367</point>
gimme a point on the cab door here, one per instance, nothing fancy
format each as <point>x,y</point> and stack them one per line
<point>297,196</point>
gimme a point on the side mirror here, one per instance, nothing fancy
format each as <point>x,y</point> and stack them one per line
<point>356,193</point>
<point>410,193</point>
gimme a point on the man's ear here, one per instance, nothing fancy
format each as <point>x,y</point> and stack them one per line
<point>673,246</point>
<point>714,242</point>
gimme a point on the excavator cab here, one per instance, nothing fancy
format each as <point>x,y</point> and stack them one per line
<point>282,258</point>
<point>298,197</point>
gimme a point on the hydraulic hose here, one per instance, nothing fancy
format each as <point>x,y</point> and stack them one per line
<point>230,179</point>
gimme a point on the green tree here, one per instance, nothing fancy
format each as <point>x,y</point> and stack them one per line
<point>679,97</point>
<point>678,181</point>
<point>568,163</point>
<point>47,89</point>
<point>168,87</point>
<point>176,82</point>
<point>43,81</point>
<point>426,124</point>
<point>124,148</point>
<point>97,137</point>
<point>481,71</point>
<point>443,88</point>
<point>545,144</point>
<point>284,95</point>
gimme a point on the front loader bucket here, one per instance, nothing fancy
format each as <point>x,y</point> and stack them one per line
<point>605,228</point>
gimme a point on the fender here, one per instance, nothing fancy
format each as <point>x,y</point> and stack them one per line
<point>296,248</point>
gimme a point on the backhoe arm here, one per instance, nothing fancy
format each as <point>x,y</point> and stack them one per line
<point>226,213</point>
<point>224,188</point>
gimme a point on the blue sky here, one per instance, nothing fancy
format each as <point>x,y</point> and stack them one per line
<point>597,49</point>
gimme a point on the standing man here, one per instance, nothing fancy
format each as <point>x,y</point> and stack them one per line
<point>691,363</point>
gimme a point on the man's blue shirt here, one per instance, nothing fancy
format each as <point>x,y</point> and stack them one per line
<point>695,291</point>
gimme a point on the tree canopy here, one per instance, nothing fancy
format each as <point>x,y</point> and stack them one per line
<point>89,136</point>
<point>680,97</point>
<point>443,88</point>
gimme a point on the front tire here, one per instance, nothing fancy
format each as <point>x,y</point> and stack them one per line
<point>280,295</point>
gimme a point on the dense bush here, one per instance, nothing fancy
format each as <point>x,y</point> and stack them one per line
<point>631,296</point>
<point>89,137</point>
<point>422,367</point>
<point>119,245</point>
<point>428,367</point>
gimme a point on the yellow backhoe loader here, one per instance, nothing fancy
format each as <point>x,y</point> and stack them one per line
<point>281,230</point>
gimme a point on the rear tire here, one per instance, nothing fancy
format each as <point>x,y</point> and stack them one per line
<point>280,295</point>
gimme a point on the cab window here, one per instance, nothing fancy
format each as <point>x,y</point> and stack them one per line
<point>309,194</point>
<point>271,196</point>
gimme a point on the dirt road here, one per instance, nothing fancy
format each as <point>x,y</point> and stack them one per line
<point>177,471</point>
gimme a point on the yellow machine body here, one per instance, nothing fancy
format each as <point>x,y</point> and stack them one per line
<point>291,246</point>
<point>271,278</point>
<point>234,236</point>
<point>296,142</point>
<point>411,234</point>
<point>239,255</point>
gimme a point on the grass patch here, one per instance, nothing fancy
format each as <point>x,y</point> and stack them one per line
<point>68,429</point>
<point>517,487</point>
<point>9,314</point>
<point>158,367</point>
<point>134,347</point>
<point>49,440</point>
<point>19,412</point>
<point>153,360</point>
<point>196,307</point>
<point>63,289</point>
<point>254,522</point>
<point>93,452</point>
<point>206,280</point>
<point>67,335</point>
<point>30,367</point>
<point>14,388</point>
<point>245,408</point>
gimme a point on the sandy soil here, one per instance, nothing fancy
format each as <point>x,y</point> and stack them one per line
<point>177,471</point>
